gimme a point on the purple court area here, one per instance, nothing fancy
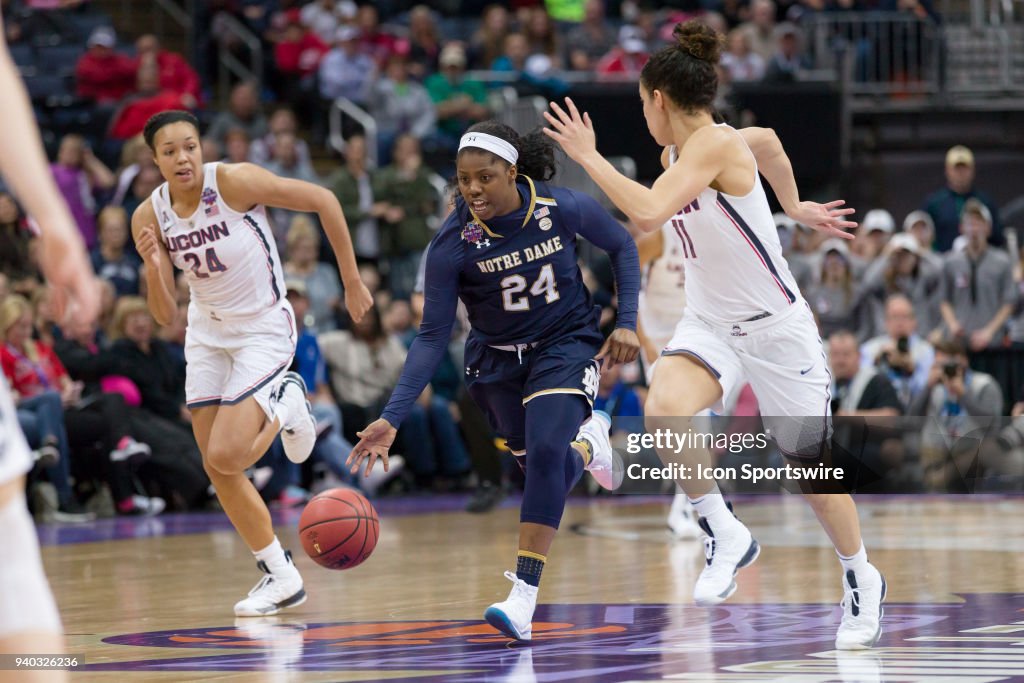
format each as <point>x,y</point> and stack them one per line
<point>626,642</point>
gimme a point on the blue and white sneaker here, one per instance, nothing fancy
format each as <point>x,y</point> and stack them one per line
<point>514,616</point>
<point>726,554</point>
<point>863,595</point>
<point>298,434</point>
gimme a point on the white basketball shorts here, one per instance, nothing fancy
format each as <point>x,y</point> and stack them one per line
<point>228,361</point>
<point>782,359</point>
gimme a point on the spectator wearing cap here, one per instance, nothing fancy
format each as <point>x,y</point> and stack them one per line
<point>903,270</point>
<point>628,57</point>
<point>739,61</point>
<point>920,225</point>
<point>979,292</point>
<point>347,70</point>
<point>945,206</point>
<point>874,233</point>
<point>175,74</point>
<point>103,74</point>
<point>591,39</point>
<point>835,301</point>
<point>460,101</point>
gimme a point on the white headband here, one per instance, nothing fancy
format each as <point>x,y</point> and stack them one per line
<point>492,144</point>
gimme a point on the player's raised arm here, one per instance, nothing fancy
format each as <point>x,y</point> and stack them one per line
<point>774,165</point>
<point>248,185</point>
<point>700,163</point>
<point>157,267</point>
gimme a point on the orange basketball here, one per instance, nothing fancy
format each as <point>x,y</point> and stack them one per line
<point>339,528</point>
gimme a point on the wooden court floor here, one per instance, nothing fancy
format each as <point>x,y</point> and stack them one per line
<point>152,599</point>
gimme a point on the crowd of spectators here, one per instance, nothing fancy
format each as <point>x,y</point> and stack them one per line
<point>919,308</point>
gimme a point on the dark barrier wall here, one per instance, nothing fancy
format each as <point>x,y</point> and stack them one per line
<point>805,115</point>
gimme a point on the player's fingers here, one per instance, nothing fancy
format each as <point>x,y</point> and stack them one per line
<point>384,459</point>
<point>834,203</point>
<point>573,111</point>
<point>586,120</point>
<point>370,462</point>
<point>841,212</point>
<point>604,350</point>
<point>561,112</point>
<point>556,123</point>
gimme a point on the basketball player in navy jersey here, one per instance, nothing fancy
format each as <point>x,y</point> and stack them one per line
<point>210,221</point>
<point>745,318</point>
<point>508,251</point>
<point>29,621</point>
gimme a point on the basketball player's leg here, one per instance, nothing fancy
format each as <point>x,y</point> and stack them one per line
<point>789,375</point>
<point>698,359</point>
<point>29,621</point>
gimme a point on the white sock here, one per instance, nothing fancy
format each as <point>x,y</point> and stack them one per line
<point>286,410</point>
<point>858,562</point>
<point>711,506</point>
<point>273,557</point>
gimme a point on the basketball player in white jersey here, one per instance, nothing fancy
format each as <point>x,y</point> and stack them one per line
<point>662,302</point>
<point>209,220</point>
<point>745,318</point>
<point>29,621</point>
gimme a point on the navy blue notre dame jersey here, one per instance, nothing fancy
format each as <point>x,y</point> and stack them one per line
<point>518,276</point>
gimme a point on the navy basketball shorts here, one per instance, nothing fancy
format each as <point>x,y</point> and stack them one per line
<point>502,382</point>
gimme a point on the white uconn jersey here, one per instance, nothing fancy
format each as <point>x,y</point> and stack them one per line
<point>735,270</point>
<point>662,294</point>
<point>229,258</point>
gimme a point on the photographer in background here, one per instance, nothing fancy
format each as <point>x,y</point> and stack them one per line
<point>900,354</point>
<point>964,403</point>
<point>1002,458</point>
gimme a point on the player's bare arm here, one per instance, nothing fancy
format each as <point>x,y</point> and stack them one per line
<point>701,162</point>
<point>245,185</point>
<point>157,267</point>
<point>774,164</point>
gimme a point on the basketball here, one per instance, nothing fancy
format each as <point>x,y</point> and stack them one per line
<point>339,528</point>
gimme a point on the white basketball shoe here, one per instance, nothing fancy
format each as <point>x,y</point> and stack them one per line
<point>274,592</point>
<point>726,552</point>
<point>682,518</point>
<point>604,465</point>
<point>863,594</point>
<point>298,426</point>
<point>514,616</point>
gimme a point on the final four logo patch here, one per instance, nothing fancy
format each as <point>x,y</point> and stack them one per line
<point>474,234</point>
<point>209,199</point>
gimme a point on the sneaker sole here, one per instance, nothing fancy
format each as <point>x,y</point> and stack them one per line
<point>499,620</point>
<point>753,552</point>
<point>293,601</point>
<point>878,634</point>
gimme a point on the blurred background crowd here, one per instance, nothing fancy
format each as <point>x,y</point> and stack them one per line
<point>922,312</point>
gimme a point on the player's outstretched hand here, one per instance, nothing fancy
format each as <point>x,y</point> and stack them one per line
<point>826,218</point>
<point>358,301</point>
<point>575,133</point>
<point>621,346</point>
<point>374,442</point>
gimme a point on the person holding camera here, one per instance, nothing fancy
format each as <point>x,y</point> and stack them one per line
<point>964,402</point>
<point>900,354</point>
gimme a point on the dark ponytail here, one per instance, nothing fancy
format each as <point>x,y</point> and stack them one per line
<point>685,72</point>
<point>536,150</point>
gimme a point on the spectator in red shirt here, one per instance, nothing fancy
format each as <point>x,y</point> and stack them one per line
<point>103,74</point>
<point>376,43</point>
<point>628,57</point>
<point>175,73</point>
<point>298,53</point>
<point>149,99</point>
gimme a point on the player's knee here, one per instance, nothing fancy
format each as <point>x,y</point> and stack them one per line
<point>222,458</point>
